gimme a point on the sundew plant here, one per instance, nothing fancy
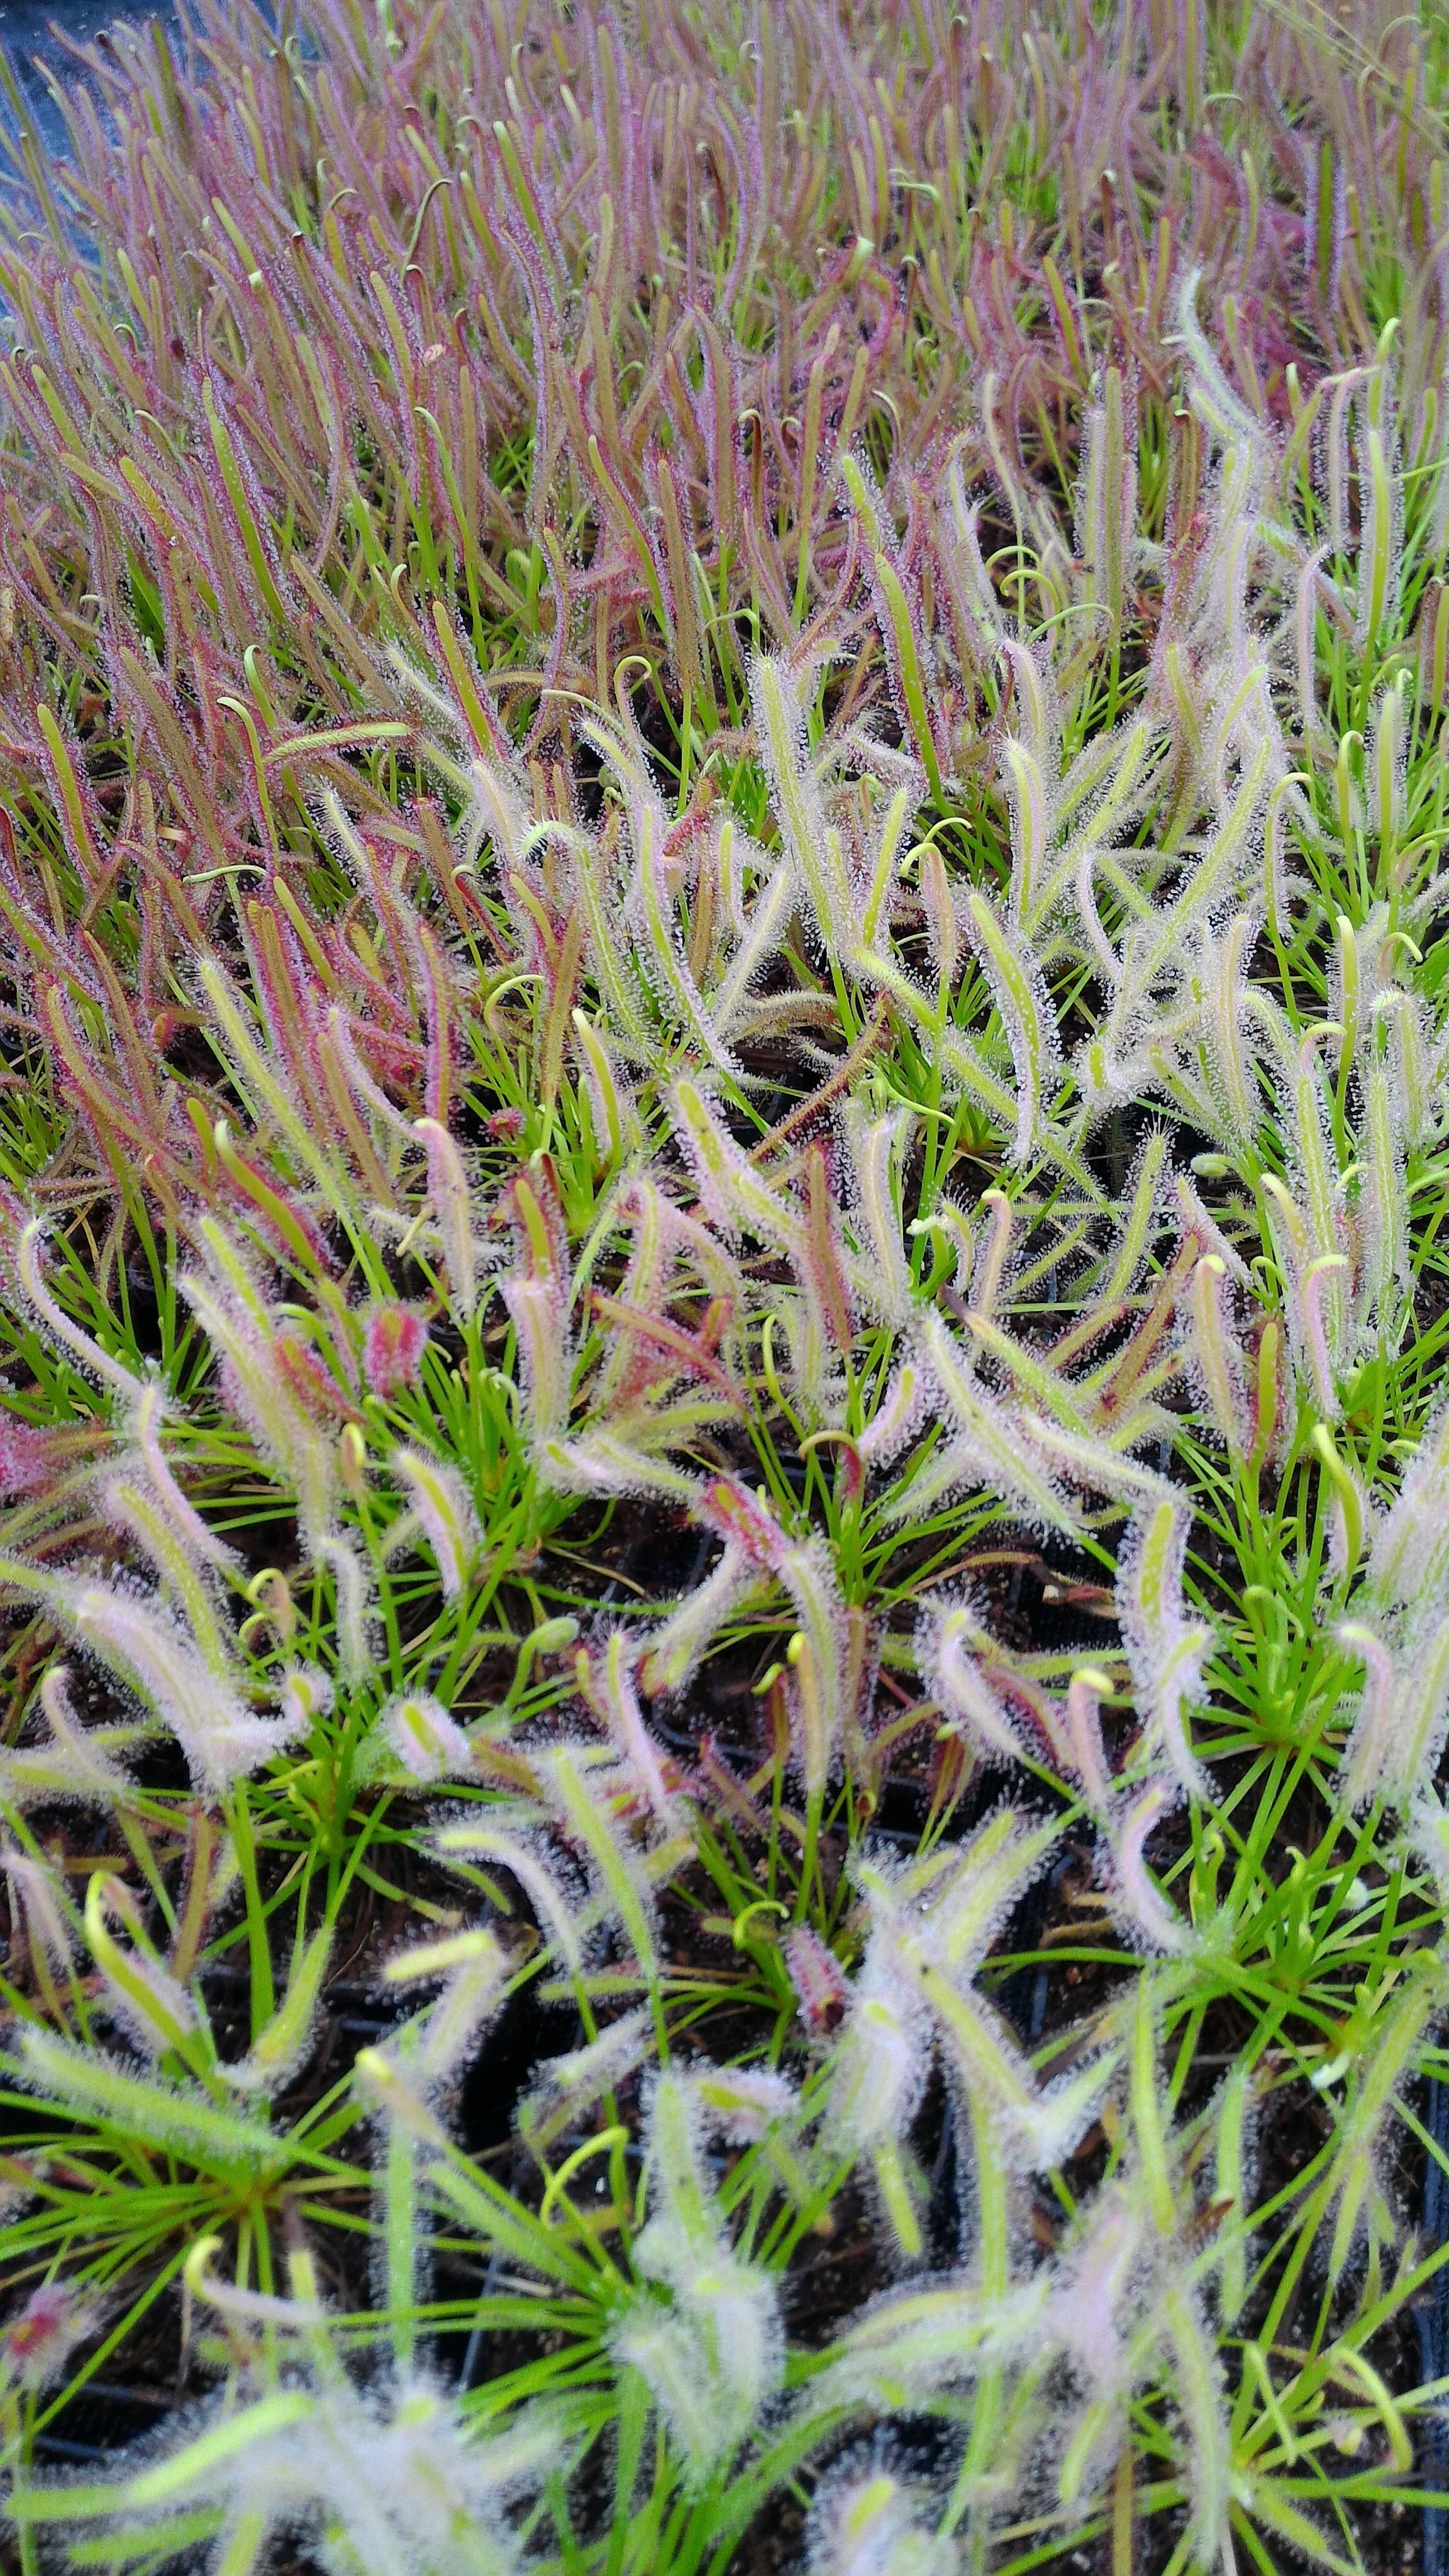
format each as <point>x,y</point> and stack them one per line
<point>724,1132</point>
